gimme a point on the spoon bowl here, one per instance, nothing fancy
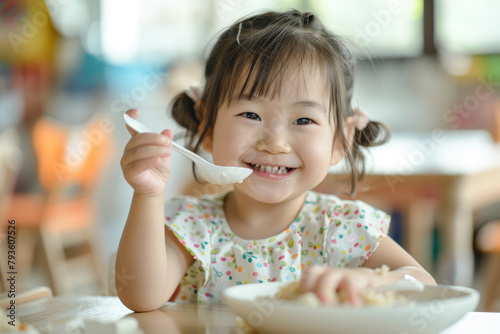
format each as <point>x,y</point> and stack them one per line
<point>221,175</point>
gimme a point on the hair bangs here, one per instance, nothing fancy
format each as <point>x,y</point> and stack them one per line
<point>275,59</point>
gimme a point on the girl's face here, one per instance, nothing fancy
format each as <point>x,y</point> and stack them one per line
<point>288,140</point>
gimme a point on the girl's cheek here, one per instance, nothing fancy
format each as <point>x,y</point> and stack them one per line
<point>317,147</point>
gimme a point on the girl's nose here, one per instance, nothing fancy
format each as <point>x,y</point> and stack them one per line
<point>273,142</point>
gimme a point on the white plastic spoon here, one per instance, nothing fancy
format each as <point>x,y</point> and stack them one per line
<point>211,173</point>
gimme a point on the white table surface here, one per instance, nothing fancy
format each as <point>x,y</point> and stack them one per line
<point>182,318</point>
<point>450,152</point>
<point>476,323</point>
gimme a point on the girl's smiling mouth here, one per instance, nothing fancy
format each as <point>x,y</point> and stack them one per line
<point>273,172</point>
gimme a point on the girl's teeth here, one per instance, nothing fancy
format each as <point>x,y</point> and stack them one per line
<point>270,169</point>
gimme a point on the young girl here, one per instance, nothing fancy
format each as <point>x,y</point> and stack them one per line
<point>277,99</point>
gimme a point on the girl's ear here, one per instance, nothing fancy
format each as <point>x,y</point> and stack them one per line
<point>338,150</point>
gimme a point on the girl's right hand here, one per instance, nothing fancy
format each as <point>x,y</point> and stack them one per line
<point>147,160</point>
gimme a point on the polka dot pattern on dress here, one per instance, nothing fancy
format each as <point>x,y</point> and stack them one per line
<point>327,231</point>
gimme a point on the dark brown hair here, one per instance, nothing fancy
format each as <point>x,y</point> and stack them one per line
<point>262,50</point>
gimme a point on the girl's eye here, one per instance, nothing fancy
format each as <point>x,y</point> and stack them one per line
<point>250,115</point>
<point>302,121</point>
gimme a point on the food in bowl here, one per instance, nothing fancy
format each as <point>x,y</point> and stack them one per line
<point>293,292</point>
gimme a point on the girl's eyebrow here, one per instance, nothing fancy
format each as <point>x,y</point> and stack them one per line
<point>307,103</point>
<point>311,104</point>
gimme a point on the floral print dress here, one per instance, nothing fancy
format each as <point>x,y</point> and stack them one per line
<point>328,231</point>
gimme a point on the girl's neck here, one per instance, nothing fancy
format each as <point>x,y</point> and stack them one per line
<point>252,220</point>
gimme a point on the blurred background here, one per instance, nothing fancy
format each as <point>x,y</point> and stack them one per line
<point>70,68</point>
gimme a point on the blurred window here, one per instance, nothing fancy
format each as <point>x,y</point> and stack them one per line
<point>229,11</point>
<point>158,30</point>
<point>151,30</point>
<point>465,26</point>
<point>388,28</point>
<point>164,31</point>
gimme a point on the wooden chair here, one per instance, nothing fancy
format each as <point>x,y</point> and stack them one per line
<point>70,161</point>
<point>488,242</point>
<point>25,296</point>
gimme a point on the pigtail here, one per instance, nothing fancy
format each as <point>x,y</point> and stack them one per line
<point>184,113</point>
<point>373,134</point>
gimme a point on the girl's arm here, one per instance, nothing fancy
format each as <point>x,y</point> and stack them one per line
<point>150,262</point>
<point>323,280</point>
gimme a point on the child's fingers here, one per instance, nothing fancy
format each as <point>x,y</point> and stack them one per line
<point>134,113</point>
<point>143,139</point>
<point>144,152</point>
<point>139,166</point>
<point>326,285</point>
<point>309,278</point>
<point>350,291</point>
<point>168,133</point>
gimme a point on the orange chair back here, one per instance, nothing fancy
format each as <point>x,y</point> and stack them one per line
<point>70,155</point>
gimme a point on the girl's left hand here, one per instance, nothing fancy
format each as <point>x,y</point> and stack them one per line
<point>349,282</point>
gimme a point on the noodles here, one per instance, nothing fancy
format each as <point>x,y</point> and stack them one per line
<point>292,292</point>
<point>383,270</point>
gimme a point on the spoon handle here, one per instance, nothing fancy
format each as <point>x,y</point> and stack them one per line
<point>407,283</point>
<point>139,127</point>
<point>191,155</point>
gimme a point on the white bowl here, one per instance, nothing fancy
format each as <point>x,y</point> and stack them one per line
<point>434,309</point>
